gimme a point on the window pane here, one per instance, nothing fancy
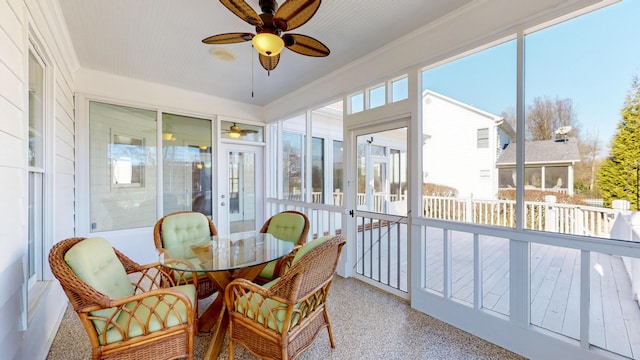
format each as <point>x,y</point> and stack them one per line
<point>582,95</point>
<point>293,158</point>
<point>338,172</point>
<point>377,96</point>
<point>379,174</point>
<point>326,129</point>
<point>122,144</point>
<point>240,131</point>
<point>36,112</point>
<point>467,123</point>
<point>357,103</point>
<point>187,164</point>
<point>36,203</point>
<point>399,89</point>
<point>317,170</point>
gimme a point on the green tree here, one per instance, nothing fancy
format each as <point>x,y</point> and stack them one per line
<point>618,174</point>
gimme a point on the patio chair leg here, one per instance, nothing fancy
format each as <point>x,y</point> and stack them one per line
<point>230,349</point>
<point>326,318</point>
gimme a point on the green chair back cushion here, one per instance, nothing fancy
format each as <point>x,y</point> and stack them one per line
<point>184,229</point>
<point>286,226</point>
<point>94,262</point>
<point>308,247</point>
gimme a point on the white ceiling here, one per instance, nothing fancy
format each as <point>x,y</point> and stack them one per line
<point>160,41</point>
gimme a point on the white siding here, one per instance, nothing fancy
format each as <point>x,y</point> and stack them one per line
<point>451,155</point>
<point>21,339</point>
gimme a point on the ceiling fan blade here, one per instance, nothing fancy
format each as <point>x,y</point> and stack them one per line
<point>269,62</point>
<point>243,11</point>
<point>228,38</point>
<point>245,132</point>
<point>305,45</point>
<point>295,13</point>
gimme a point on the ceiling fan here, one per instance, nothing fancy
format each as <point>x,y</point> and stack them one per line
<point>235,132</point>
<point>270,25</point>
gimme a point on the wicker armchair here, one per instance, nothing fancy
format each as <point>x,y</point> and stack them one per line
<point>183,228</point>
<point>281,319</point>
<point>129,311</point>
<point>292,226</point>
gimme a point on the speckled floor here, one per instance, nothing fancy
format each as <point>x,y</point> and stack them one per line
<point>367,324</point>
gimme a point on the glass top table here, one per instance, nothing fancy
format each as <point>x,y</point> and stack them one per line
<point>224,258</point>
<point>226,253</point>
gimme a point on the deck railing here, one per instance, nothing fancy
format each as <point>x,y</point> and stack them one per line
<point>545,216</point>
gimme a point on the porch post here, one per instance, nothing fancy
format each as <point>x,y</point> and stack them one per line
<point>550,214</point>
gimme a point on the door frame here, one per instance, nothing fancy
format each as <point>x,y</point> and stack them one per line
<point>401,121</point>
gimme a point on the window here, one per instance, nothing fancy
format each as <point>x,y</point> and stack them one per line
<point>377,96</point>
<point>294,158</point>
<point>36,158</point>
<point>399,89</point>
<point>187,164</point>
<point>483,138</point>
<point>317,170</point>
<point>122,167</point>
<point>356,103</point>
<point>465,102</point>
<point>338,172</point>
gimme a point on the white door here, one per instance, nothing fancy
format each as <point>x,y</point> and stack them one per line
<point>241,188</point>
<point>380,219</point>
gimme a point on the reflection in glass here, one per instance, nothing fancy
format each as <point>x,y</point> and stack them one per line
<point>293,158</point>
<point>338,172</point>
<point>187,164</point>
<point>317,170</point>
<point>241,131</point>
<point>122,167</point>
<point>242,191</point>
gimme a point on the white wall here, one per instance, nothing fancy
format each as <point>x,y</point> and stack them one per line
<point>21,338</point>
<point>451,156</point>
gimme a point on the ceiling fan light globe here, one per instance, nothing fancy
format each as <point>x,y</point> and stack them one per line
<point>268,44</point>
<point>235,135</point>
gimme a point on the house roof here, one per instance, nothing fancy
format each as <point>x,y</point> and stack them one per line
<point>543,152</point>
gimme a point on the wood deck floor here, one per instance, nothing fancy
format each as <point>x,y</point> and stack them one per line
<point>555,286</point>
<point>555,289</point>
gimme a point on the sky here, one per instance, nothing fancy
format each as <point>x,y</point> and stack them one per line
<point>590,59</point>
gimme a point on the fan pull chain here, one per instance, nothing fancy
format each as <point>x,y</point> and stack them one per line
<point>252,66</point>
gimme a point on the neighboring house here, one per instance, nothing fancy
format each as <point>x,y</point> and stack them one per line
<point>548,165</point>
<point>465,140</point>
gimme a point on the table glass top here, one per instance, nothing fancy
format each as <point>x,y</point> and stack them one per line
<point>226,252</point>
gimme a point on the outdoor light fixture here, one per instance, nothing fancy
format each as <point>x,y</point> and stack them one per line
<point>268,44</point>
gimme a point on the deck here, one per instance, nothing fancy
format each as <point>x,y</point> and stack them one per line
<point>555,289</point>
<point>555,283</point>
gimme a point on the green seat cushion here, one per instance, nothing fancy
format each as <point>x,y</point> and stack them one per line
<point>259,309</point>
<point>286,226</point>
<point>179,231</point>
<point>94,262</point>
<point>131,321</point>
